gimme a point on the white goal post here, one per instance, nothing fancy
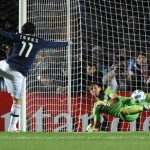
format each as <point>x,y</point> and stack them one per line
<point>22,20</point>
<point>104,34</point>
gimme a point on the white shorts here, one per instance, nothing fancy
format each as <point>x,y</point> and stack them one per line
<point>14,80</point>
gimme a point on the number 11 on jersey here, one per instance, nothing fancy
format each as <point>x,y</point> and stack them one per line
<point>24,46</point>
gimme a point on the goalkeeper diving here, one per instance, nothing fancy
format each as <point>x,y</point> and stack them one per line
<point>108,102</point>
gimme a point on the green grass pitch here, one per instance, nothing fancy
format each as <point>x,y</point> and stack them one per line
<point>75,141</point>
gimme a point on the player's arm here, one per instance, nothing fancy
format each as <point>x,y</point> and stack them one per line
<point>55,44</point>
<point>114,97</point>
<point>94,126</point>
<point>8,35</point>
<point>98,108</point>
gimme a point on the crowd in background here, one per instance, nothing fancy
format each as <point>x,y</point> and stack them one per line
<point>117,42</point>
<point>115,49</point>
<point>9,22</point>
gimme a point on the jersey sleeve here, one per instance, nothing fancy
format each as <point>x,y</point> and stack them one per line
<point>110,92</point>
<point>96,111</point>
<point>54,44</point>
<point>9,35</point>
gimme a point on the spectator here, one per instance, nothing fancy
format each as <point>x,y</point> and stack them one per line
<point>140,72</point>
<point>4,53</point>
<point>62,79</point>
<point>44,83</point>
<point>91,74</point>
<point>40,64</point>
<point>118,76</point>
<point>124,55</point>
<point>122,77</point>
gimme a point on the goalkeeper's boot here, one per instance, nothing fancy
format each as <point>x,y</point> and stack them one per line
<point>146,107</point>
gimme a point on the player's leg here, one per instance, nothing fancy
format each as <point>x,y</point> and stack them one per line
<point>4,70</point>
<point>130,110</point>
<point>14,83</point>
<point>14,115</point>
<point>135,108</point>
<point>131,118</point>
<point>15,87</point>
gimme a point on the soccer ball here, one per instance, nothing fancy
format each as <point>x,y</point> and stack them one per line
<point>138,95</point>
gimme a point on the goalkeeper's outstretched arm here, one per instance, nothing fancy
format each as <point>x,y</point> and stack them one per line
<point>96,118</point>
<point>95,124</point>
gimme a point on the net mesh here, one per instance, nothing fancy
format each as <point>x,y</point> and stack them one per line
<point>111,41</point>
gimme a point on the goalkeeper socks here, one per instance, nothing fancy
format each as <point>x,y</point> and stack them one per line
<point>15,112</point>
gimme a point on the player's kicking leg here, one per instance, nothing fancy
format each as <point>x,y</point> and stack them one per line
<point>14,116</point>
<point>16,106</point>
<point>16,88</point>
<point>135,108</point>
<point>14,82</point>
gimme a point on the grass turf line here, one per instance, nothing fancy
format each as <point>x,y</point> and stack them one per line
<point>75,141</point>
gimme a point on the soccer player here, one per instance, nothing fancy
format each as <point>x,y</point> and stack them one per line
<point>15,68</point>
<point>107,101</point>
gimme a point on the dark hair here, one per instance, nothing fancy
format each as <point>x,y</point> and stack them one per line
<point>28,28</point>
<point>90,63</point>
<point>95,83</point>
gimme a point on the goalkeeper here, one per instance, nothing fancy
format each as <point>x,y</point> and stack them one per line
<point>107,101</point>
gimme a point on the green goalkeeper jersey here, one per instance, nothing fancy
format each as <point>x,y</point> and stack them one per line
<point>114,108</point>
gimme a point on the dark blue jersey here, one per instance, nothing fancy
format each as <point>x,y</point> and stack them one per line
<point>25,48</point>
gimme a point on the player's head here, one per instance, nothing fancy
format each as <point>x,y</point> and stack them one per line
<point>28,28</point>
<point>141,58</point>
<point>96,89</point>
<point>91,68</point>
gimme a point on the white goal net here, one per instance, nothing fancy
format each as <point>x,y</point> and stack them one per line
<point>105,35</point>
